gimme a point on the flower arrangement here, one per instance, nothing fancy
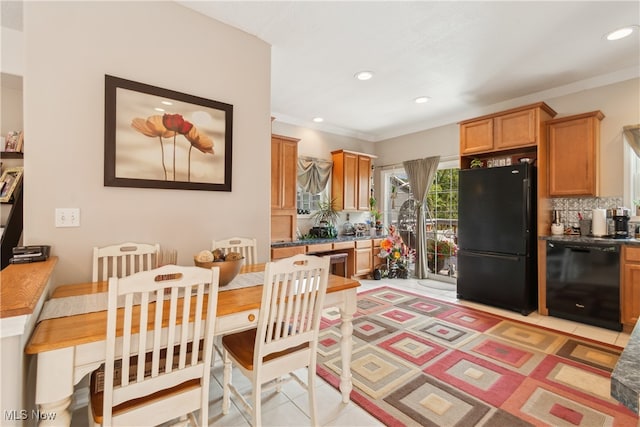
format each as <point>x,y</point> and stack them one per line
<point>395,252</point>
<point>393,247</point>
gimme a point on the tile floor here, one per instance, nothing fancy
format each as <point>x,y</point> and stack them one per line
<point>290,407</point>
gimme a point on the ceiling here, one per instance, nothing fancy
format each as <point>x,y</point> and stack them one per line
<point>470,58</point>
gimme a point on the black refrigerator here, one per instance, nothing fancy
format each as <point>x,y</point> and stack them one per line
<point>497,262</point>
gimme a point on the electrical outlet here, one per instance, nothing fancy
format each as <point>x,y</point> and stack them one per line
<point>67,217</point>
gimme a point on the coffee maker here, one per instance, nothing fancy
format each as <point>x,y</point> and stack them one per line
<point>621,223</point>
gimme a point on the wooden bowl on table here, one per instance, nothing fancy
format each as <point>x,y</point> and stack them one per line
<point>228,269</point>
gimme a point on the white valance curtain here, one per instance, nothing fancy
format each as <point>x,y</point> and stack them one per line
<point>313,174</point>
<point>420,173</point>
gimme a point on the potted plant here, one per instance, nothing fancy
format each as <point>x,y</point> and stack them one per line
<point>377,220</point>
<point>438,251</point>
<point>476,163</point>
<point>327,216</point>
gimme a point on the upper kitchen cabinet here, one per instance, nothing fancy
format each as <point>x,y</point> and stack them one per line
<point>351,180</point>
<point>574,148</point>
<point>284,158</point>
<point>518,128</point>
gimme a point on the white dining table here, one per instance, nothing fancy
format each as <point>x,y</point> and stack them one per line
<point>70,347</point>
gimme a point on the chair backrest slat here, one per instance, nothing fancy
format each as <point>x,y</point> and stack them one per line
<point>292,301</point>
<point>245,246</point>
<point>123,260</point>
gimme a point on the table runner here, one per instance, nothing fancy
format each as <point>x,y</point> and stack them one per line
<point>90,303</point>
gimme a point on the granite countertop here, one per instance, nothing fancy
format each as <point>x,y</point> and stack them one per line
<point>625,379</point>
<point>302,242</point>
<point>576,238</point>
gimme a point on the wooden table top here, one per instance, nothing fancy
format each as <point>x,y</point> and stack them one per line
<point>22,286</point>
<point>69,331</point>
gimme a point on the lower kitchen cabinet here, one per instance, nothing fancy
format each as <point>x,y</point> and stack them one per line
<point>364,262</point>
<point>630,292</point>
<point>375,250</point>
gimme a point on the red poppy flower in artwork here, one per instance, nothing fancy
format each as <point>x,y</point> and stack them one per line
<point>176,123</point>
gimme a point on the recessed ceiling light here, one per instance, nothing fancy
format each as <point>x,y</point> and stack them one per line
<point>364,75</point>
<point>167,102</point>
<point>318,119</point>
<point>620,33</point>
<point>161,110</point>
<point>421,99</point>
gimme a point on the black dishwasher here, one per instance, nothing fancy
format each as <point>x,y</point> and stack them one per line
<point>583,283</point>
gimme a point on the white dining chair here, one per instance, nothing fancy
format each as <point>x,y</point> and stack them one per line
<point>286,336</point>
<point>123,259</point>
<point>246,246</point>
<point>159,369</point>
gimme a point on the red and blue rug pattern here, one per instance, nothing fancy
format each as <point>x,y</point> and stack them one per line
<point>420,361</point>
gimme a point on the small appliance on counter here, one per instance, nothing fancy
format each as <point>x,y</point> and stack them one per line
<point>621,223</point>
<point>348,229</point>
<point>557,228</point>
<point>599,222</point>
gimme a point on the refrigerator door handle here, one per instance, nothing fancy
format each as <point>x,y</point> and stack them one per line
<point>526,190</point>
<point>491,255</point>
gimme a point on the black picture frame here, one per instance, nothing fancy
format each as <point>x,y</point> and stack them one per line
<point>188,146</point>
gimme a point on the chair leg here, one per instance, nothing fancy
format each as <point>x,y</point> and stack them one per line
<point>256,395</point>
<point>311,389</point>
<point>226,381</point>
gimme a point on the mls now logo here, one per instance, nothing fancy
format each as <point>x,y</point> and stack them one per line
<point>23,414</point>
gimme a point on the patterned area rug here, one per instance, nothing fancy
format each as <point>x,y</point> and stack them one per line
<point>420,361</point>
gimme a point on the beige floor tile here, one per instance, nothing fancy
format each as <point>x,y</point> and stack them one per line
<point>594,333</point>
<point>287,414</point>
<point>558,324</point>
<point>350,415</point>
<point>622,340</point>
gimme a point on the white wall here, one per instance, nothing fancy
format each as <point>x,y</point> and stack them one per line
<point>10,104</point>
<point>69,47</point>
<point>620,103</point>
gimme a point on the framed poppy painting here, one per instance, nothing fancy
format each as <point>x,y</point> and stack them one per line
<point>160,138</point>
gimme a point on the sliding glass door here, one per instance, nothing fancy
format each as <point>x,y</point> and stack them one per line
<point>442,215</point>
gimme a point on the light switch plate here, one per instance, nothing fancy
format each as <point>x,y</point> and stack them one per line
<point>67,217</point>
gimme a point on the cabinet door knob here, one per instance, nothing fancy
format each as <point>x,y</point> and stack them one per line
<point>252,317</point>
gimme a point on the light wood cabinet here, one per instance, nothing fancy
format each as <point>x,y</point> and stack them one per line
<point>284,159</point>
<point>287,251</point>
<point>351,180</point>
<point>515,130</point>
<point>574,149</point>
<point>375,250</point>
<point>512,129</point>
<point>363,261</point>
<point>630,286</point>
<point>476,136</point>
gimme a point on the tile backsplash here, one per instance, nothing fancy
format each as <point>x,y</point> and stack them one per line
<point>569,207</point>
